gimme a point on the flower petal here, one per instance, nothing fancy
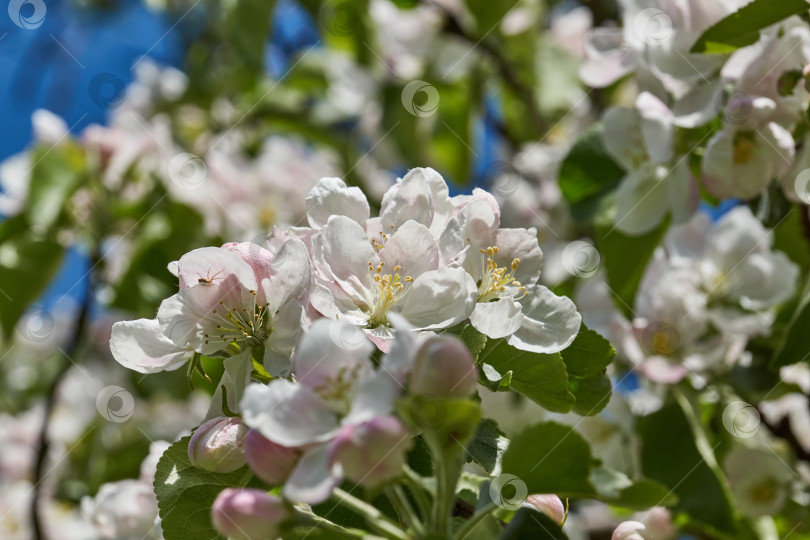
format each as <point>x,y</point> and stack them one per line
<point>331,196</point>
<point>139,345</point>
<point>311,481</point>
<point>497,319</point>
<point>413,248</point>
<point>439,298</point>
<point>330,350</point>
<point>213,264</point>
<point>550,322</point>
<point>288,414</point>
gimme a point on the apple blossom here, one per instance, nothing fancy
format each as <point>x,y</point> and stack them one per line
<point>336,386</point>
<point>269,461</point>
<point>444,368</point>
<point>248,514</point>
<point>218,445</point>
<point>370,453</point>
<point>125,510</point>
<point>629,530</point>
<point>551,505</point>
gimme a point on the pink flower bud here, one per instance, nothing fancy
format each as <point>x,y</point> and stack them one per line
<point>550,505</point>
<point>628,530</point>
<point>370,453</point>
<point>271,462</point>
<point>248,514</point>
<point>444,368</point>
<point>218,445</point>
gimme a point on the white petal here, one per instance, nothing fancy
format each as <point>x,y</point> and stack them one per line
<point>341,252</point>
<point>550,322</point>
<point>642,201</point>
<point>288,275</point>
<point>699,105</point>
<point>213,264</point>
<point>623,137</point>
<point>497,319</point>
<point>439,298</point>
<point>287,330</point>
<point>329,350</point>
<point>656,127</point>
<point>413,248</point>
<point>141,346</point>
<point>331,196</point>
<point>520,244</point>
<point>409,199</point>
<point>311,481</point>
<point>288,414</point>
<point>374,398</point>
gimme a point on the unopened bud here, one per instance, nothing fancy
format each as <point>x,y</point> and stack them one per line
<point>248,514</point>
<point>628,530</point>
<point>269,461</point>
<point>444,368</point>
<point>218,445</point>
<point>370,453</point>
<point>550,505</point>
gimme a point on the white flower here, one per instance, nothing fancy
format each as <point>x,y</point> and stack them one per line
<point>761,490</point>
<point>505,265</point>
<point>125,510</point>
<point>748,154</point>
<point>641,141</point>
<point>362,279</point>
<point>337,386</point>
<point>239,294</point>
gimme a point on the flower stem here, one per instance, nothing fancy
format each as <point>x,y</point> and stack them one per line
<point>474,521</point>
<point>376,519</point>
<point>403,507</point>
<point>308,519</point>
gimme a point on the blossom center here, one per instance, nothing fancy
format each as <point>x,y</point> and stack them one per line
<point>241,323</point>
<point>497,281</point>
<point>337,391</point>
<point>744,148</point>
<point>386,290</point>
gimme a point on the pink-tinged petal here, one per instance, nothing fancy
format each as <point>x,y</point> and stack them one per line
<point>413,248</point>
<point>610,66</point>
<point>331,196</point>
<point>332,351</point>
<point>213,265</point>
<point>139,345</point>
<point>628,530</point>
<point>550,322</point>
<point>662,371</point>
<point>311,481</point>
<point>375,397</point>
<point>497,319</point>
<point>257,257</point>
<point>341,252</point>
<point>439,298</point>
<point>381,336</point>
<point>288,414</point>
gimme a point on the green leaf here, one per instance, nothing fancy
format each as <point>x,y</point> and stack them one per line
<point>588,355</point>
<point>185,493</point>
<point>529,523</point>
<point>540,377</point>
<point>670,455</point>
<point>618,489</point>
<point>472,338</point>
<point>26,270</point>
<point>246,31</point>
<point>742,28</point>
<point>489,14</point>
<point>796,345</point>
<point>551,458</point>
<point>592,394</point>
<point>625,259</point>
<point>487,445</point>
<point>55,175</point>
<point>588,173</point>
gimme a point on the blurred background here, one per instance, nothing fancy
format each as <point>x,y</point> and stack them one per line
<point>136,131</point>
